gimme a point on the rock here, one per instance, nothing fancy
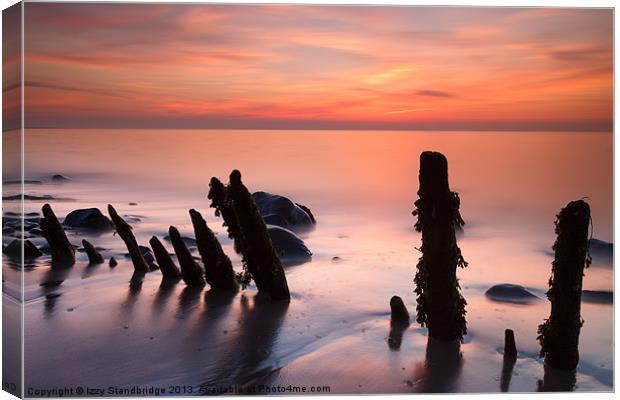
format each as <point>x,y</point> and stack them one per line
<point>132,204</point>
<point>399,313</point>
<point>601,251</point>
<point>281,211</point>
<point>147,254</point>
<point>291,249</point>
<point>29,197</point>
<point>187,240</point>
<point>113,262</point>
<point>88,218</point>
<point>597,296</point>
<point>509,293</point>
<point>14,250</point>
<point>60,178</point>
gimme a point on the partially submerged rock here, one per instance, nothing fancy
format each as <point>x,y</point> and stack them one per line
<point>290,247</point>
<point>14,250</point>
<point>60,178</point>
<point>88,218</point>
<point>281,211</point>
<point>597,296</point>
<point>509,293</point>
<point>113,262</point>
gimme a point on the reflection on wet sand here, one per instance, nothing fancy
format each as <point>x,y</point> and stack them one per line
<point>556,380</point>
<point>441,370</point>
<point>395,338</point>
<point>246,359</point>
<point>507,368</point>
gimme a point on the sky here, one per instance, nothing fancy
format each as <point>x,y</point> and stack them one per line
<point>317,67</point>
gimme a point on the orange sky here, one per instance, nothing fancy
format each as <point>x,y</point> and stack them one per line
<point>277,66</point>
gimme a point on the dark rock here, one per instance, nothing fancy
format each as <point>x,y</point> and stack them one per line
<point>597,296</point>
<point>14,250</point>
<point>291,249</point>
<point>60,178</point>
<point>601,251</point>
<point>51,283</point>
<point>187,240</point>
<point>509,293</point>
<point>132,204</point>
<point>281,211</point>
<point>113,262</point>
<point>88,218</point>
<point>146,253</point>
<point>28,197</point>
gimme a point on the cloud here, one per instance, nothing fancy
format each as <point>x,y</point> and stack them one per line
<point>435,93</point>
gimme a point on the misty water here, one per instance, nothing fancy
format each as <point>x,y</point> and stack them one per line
<point>94,330</point>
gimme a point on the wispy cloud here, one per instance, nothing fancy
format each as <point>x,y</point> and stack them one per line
<point>394,66</point>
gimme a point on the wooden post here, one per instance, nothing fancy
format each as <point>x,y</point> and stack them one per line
<point>168,268</point>
<point>94,257</point>
<point>260,256</point>
<point>191,272</point>
<point>559,334</point>
<point>124,231</point>
<point>510,347</point>
<point>441,306</point>
<point>63,254</point>
<point>219,272</point>
<point>220,200</point>
<point>399,313</point>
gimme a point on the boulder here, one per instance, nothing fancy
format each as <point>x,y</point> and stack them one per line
<point>291,249</point>
<point>88,218</point>
<point>13,250</point>
<point>509,293</point>
<point>281,211</point>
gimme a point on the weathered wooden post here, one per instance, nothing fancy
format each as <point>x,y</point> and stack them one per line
<point>94,257</point>
<point>191,272</point>
<point>124,231</point>
<point>559,334</point>
<point>218,268</point>
<point>261,257</point>
<point>220,200</point>
<point>246,226</point>
<point>168,268</point>
<point>510,358</point>
<point>441,306</point>
<point>63,254</point>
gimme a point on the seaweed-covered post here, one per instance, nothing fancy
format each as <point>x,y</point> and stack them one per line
<point>441,306</point>
<point>218,268</point>
<point>191,272</point>
<point>124,231</point>
<point>559,334</point>
<point>63,254</point>
<point>261,257</point>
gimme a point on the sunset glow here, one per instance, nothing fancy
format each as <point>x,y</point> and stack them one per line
<point>332,67</point>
